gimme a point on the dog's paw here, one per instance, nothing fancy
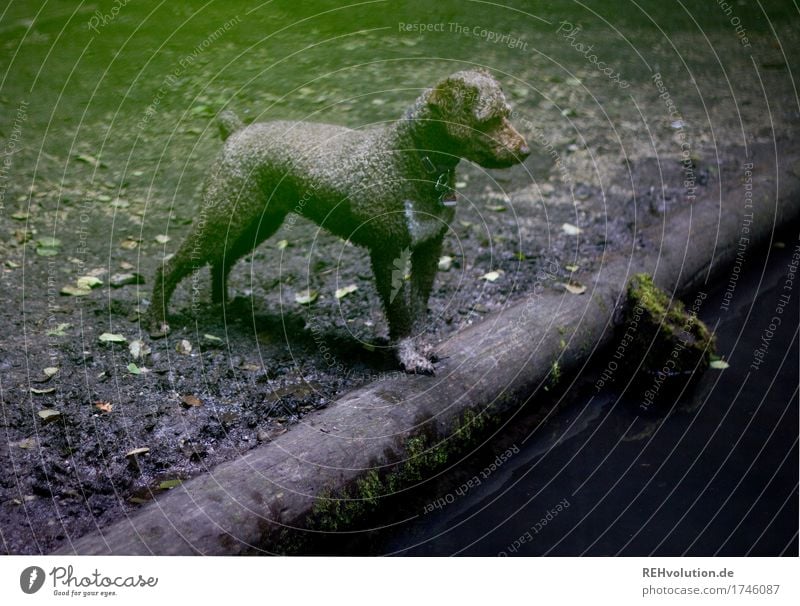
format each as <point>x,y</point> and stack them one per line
<point>416,359</point>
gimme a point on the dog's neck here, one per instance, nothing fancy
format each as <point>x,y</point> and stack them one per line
<point>421,131</point>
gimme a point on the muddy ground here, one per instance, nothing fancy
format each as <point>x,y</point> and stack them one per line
<point>109,131</point>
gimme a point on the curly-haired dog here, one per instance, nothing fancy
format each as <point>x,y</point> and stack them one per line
<point>387,188</point>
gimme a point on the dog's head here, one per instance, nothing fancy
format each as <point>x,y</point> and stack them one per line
<point>474,115</point>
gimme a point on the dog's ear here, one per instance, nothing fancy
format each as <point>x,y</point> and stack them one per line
<point>442,97</point>
<point>451,96</point>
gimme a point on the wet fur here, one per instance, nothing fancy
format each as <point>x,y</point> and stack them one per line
<point>387,188</point>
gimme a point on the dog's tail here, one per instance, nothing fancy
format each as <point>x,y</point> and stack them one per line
<point>229,123</point>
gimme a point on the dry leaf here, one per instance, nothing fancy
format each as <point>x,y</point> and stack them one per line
<point>48,415</point>
<point>306,297</point>
<point>109,337</point>
<point>88,282</point>
<point>575,288</point>
<point>345,290</point>
<point>191,401</point>
<point>104,406</point>
<point>137,451</point>
<point>75,291</point>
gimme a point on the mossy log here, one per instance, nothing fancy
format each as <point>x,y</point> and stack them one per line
<point>267,500</point>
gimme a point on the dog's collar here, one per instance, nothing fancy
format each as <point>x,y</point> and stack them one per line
<point>447,195</point>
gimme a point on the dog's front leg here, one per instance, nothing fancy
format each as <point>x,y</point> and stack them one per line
<point>393,278</point>
<point>424,265</point>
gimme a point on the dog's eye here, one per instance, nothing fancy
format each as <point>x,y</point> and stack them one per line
<point>492,123</point>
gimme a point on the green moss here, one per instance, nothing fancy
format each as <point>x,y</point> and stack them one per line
<point>642,292</point>
<point>424,454</point>
<point>555,376</point>
<point>661,335</point>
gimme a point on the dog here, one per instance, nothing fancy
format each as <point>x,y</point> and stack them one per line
<point>389,189</point>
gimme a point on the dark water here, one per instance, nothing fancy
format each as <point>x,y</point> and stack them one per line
<point>717,476</point>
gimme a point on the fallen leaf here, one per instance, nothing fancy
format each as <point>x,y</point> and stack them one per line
<point>109,337</point>
<point>123,279</point>
<point>191,401</point>
<point>19,216</point>
<point>719,365</point>
<point>11,264</point>
<point>169,484</point>
<point>40,392</point>
<point>183,347</point>
<point>162,238</point>
<point>88,282</point>
<point>282,244</point>
<point>201,110</point>
<point>47,246</point>
<point>250,367</point>
<point>498,208</point>
<point>571,268</point>
<point>212,338</point>
<point>306,297</point>
<point>129,244</point>
<point>570,229</point>
<point>104,406</point>
<point>126,265</point>
<point>59,331</point>
<point>50,371</point>
<point>48,415</point>
<point>345,290</point>
<point>575,288</point>
<point>138,349</point>
<point>90,160</point>
<point>133,369</point>
<point>26,444</point>
<point>137,451</point>
<point>445,262</point>
<point>491,276</point>
<point>74,291</point>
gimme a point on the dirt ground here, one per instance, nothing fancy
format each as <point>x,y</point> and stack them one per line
<point>108,133</point>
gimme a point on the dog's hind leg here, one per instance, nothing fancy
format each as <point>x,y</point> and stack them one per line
<point>241,245</point>
<point>168,276</point>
